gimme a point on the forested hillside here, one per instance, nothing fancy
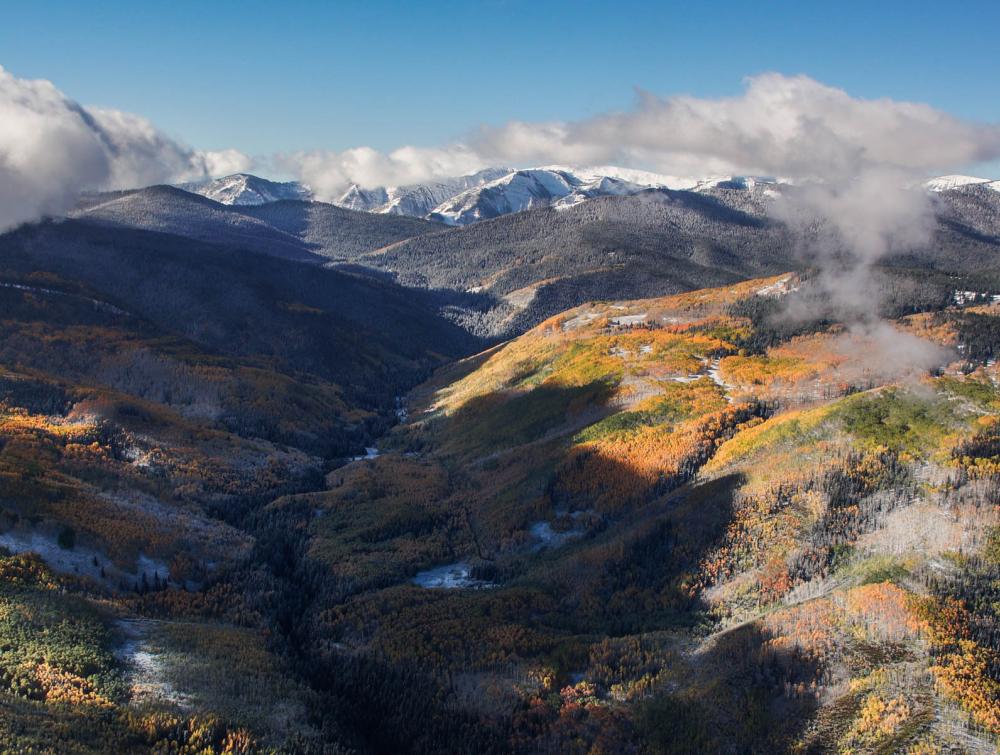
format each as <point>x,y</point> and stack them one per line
<point>156,393</point>
<point>673,525</point>
<point>250,502</point>
<point>292,229</point>
<point>528,266</point>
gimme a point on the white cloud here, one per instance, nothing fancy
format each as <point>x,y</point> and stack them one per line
<point>52,148</point>
<point>789,126</point>
<point>328,174</point>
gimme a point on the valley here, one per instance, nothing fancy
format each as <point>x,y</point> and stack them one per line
<point>499,378</point>
<point>617,477</point>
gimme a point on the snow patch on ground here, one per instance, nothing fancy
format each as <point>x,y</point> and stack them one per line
<point>450,577</point>
<point>80,561</point>
<point>146,668</point>
<point>778,288</point>
<point>713,372</point>
<point>547,537</point>
<point>578,321</point>
<point>625,320</point>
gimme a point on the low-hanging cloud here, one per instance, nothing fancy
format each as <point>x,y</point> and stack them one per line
<point>788,126</point>
<point>52,149</point>
<point>328,174</point>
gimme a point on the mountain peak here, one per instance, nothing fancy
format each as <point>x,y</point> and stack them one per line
<point>947,183</point>
<point>246,189</point>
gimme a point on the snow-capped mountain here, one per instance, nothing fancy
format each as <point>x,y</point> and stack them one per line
<point>947,183</point>
<point>245,189</point>
<point>561,187</point>
<point>416,200</point>
<point>526,189</point>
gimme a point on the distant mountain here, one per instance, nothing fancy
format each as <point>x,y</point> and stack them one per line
<point>525,190</point>
<point>495,192</point>
<point>244,189</point>
<point>304,231</point>
<point>462,200</point>
<point>526,266</point>
<point>416,200</point>
<point>947,183</point>
<point>228,299</point>
<point>551,238</point>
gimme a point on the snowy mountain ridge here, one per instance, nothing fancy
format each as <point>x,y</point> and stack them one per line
<point>947,183</point>
<point>245,190</point>
<point>415,200</point>
<point>493,192</point>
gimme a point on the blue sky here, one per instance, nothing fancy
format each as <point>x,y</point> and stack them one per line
<point>264,77</point>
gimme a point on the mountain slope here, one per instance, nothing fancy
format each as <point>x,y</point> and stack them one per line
<point>499,191</point>
<point>304,231</point>
<point>677,523</point>
<point>526,266</point>
<point>299,316</point>
<point>693,523</point>
<point>336,233</point>
<point>536,263</point>
<point>173,211</point>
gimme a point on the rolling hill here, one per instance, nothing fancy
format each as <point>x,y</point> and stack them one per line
<point>296,230</point>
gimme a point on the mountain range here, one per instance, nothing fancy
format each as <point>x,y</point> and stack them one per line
<point>494,192</point>
<point>466,199</point>
<point>501,274</point>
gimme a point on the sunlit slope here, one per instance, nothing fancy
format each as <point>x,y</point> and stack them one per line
<point>694,513</point>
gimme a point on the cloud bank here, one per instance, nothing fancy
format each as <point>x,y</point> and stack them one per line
<point>789,126</point>
<point>52,148</point>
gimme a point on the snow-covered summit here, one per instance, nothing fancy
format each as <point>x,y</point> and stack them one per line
<point>562,186</point>
<point>245,189</point>
<point>416,200</point>
<point>947,183</point>
<point>486,194</point>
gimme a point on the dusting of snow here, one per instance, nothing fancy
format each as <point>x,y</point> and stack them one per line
<point>625,320</point>
<point>146,669</point>
<point>80,560</point>
<point>778,288</point>
<point>971,297</point>
<point>578,321</point>
<point>713,372</point>
<point>547,537</point>
<point>450,577</point>
<point>402,414</point>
